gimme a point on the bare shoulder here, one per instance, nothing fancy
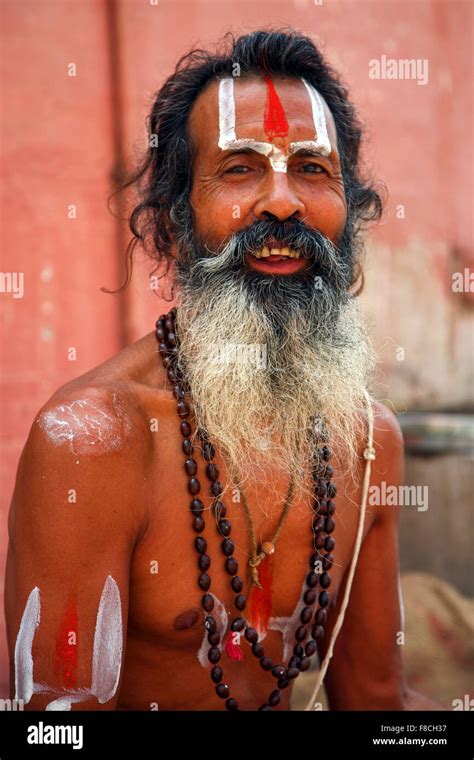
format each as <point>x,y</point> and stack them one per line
<point>95,415</point>
<point>387,431</point>
<point>102,411</point>
<point>388,465</point>
<point>93,432</point>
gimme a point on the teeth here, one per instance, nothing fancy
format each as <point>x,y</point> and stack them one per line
<point>265,252</point>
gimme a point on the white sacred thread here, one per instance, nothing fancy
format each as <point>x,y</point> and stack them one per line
<point>400,600</point>
<point>369,456</point>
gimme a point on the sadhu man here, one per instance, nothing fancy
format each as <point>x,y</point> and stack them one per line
<point>190,528</point>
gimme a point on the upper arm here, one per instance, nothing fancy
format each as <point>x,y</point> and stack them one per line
<point>74,520</point>
<point>366,670</point>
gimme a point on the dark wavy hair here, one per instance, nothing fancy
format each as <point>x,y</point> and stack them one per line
<point>163,178</point>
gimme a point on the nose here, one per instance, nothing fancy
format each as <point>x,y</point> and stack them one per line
<point>279,200</point>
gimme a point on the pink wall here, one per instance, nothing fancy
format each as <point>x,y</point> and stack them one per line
<point>63,137</point>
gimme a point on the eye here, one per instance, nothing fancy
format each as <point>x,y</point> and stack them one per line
<point>238,169</point>
<point>313,169</point>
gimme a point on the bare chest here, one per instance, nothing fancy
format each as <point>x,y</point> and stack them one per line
<point>165,605</point>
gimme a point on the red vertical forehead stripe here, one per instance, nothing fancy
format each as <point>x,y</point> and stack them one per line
<point>274,122</point>
<point>65,660</point>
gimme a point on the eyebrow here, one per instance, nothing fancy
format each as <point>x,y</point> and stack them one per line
<point>236,150</point>
<point>308,152</point>
<point>247,150</point>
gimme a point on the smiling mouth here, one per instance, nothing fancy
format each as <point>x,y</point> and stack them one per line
<point>283,261</point>
<point>276,253</point>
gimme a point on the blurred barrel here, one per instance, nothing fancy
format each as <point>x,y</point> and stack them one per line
<point>439,454</point>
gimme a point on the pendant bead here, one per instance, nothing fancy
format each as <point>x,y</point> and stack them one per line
<point>237,584</point>
<point>238,624</point>
<point>201,544</point>
<point>219,509</point>
<point>212,471</point>
<point>257,650</point>
<point>197,507</point>
<point>321,617</point>
<point>317,632</point>
<point>187,446</point>
<point>190,466</point>
<point>204,581</point>
<point>300,633</point>
<point>274,698</point>
<point>227,547</point>
<point>251,635</point>
<point>194,486</point>
<point>214,655</point>
<point>240,602</point>
<point>231,565</point>
<point>222,690</point>
<point>199,524</point>
<point>306,614</point>
<point>225,527</point>
<point>324,599</point>
<point>185,428</point>
<point>325,580</point>
<point>182,408</point>
<point>217,674</point>
<point>207,602</point>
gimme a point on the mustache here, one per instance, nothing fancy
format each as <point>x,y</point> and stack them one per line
<point>333,263</point>
<point>291,233</point>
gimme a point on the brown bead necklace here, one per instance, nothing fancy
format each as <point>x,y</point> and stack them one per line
<point>320,562</point>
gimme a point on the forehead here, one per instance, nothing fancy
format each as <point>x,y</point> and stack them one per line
<point>250,97</point>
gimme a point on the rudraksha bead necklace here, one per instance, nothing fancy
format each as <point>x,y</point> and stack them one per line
<point>323,524</point>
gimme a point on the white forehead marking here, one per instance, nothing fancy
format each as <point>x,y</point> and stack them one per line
<point>226,113</point>
<point>277,157</point>
<point>317,106</point>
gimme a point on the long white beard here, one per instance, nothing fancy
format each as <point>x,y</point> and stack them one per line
<point>259,382</point>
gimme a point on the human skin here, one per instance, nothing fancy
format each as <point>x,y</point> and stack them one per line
<point>132,505</point>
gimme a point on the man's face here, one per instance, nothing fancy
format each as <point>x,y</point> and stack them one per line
<point>278,166</point>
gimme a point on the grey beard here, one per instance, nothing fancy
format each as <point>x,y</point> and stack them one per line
<point>272,359</point>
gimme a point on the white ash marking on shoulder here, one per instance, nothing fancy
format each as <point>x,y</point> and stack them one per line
<point>88,425</point>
